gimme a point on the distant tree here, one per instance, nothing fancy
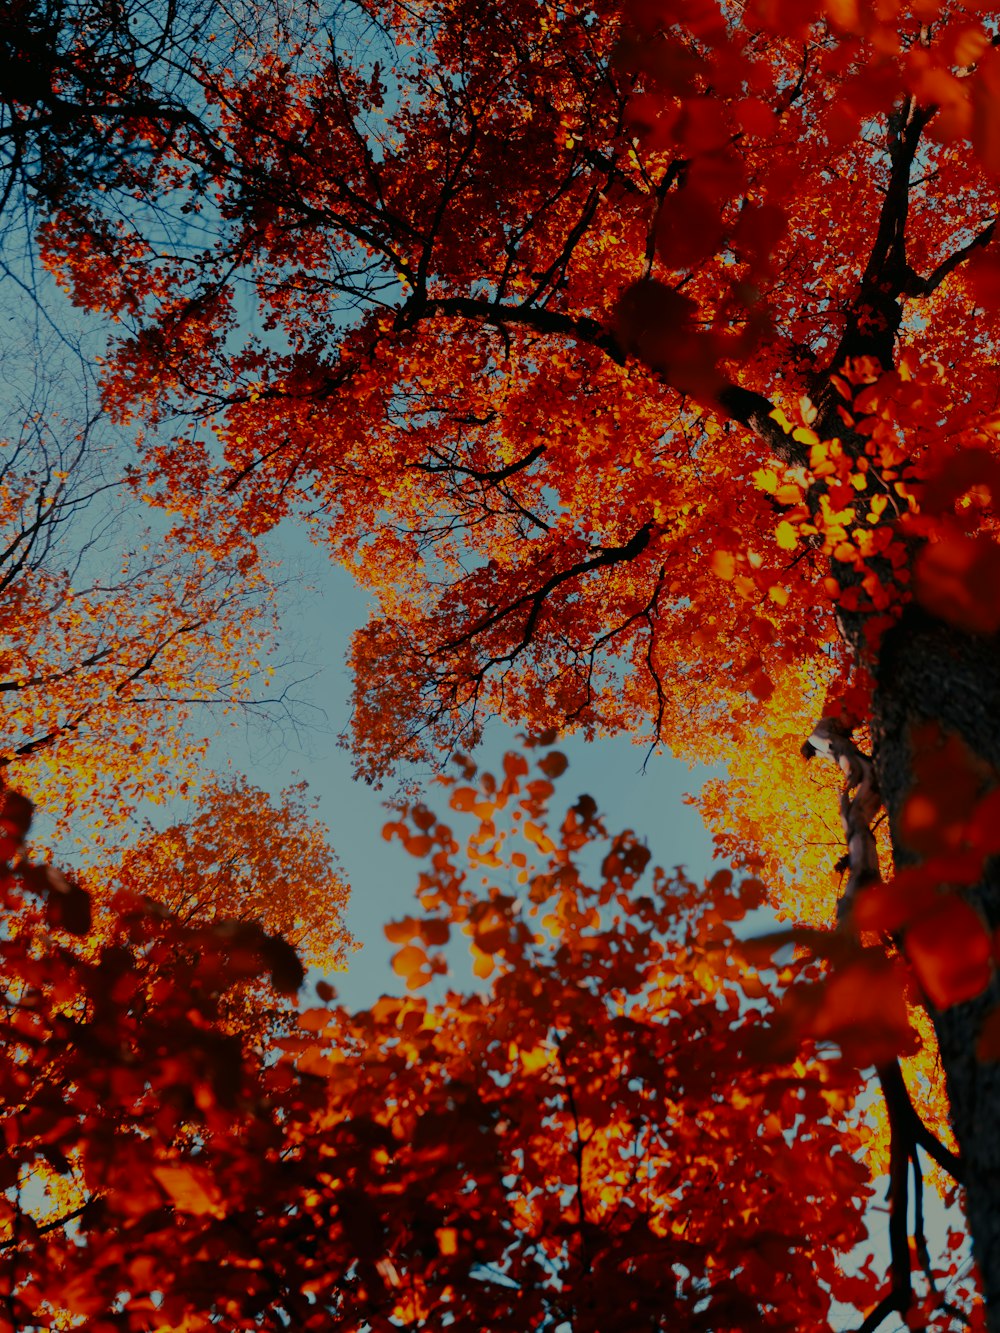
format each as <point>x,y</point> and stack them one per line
<point>241,855</point>
<point>113,636</point>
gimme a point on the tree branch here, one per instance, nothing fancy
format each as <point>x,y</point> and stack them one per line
<point>917,286</point>
<point>541,319</point>
<point>534,601</point>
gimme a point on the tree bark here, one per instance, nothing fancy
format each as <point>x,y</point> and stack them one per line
<point>929,672</point>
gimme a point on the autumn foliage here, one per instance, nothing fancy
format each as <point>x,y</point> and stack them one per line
<point>536,1152</point>
<point>640,361</point>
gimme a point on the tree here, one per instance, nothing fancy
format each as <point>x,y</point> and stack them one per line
<point>93,96</point>
<point>121,641</point>
<point>585,1142</point>
<point>117,633</point>
<point>114,634</point>
<point>644,367</point>
<point>240,855</point>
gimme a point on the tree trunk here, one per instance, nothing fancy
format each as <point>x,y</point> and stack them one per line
<point>929,672</point>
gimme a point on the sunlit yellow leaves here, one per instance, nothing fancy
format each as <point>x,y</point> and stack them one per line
<point>531,1061</point>
<point>766,479</point>
<point>876,508</point>
<point>243,855</point>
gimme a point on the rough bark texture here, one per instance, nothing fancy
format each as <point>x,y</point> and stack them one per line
<point>929,672</point>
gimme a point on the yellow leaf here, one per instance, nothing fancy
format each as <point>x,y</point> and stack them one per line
<point>532,1061</point>
<point>786,536</point>
<point>805,436</point>
<point>482,964</point>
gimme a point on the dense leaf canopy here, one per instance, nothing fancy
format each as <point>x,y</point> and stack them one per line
<point>640,360</point>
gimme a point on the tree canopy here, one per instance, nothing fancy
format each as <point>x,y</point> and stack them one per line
<point>640,360</point>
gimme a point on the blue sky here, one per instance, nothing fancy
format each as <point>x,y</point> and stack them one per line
<point>322,608</point>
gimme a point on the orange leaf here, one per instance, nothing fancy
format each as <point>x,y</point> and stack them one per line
<point>447,1239</point>
<point>398,932</point>
<point>539,837</point>
<point>191,1188</point>
<point>723,564</point>
<point>482,965</point>
<point>419,845</point>
<point>464,798</point>
<point>313,1020</point>
<point>408,960</point>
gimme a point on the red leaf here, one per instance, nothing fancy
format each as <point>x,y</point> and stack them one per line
<point>958,580</point>
<point>287,972</point>
<point>951,952</point>
<point>554,764</point>
<point>15,820</point>
<point>864,1011</point>
<point>972,467</point>
<point>658,325</point>
<point>688,229</point>
<point>70,911</point>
